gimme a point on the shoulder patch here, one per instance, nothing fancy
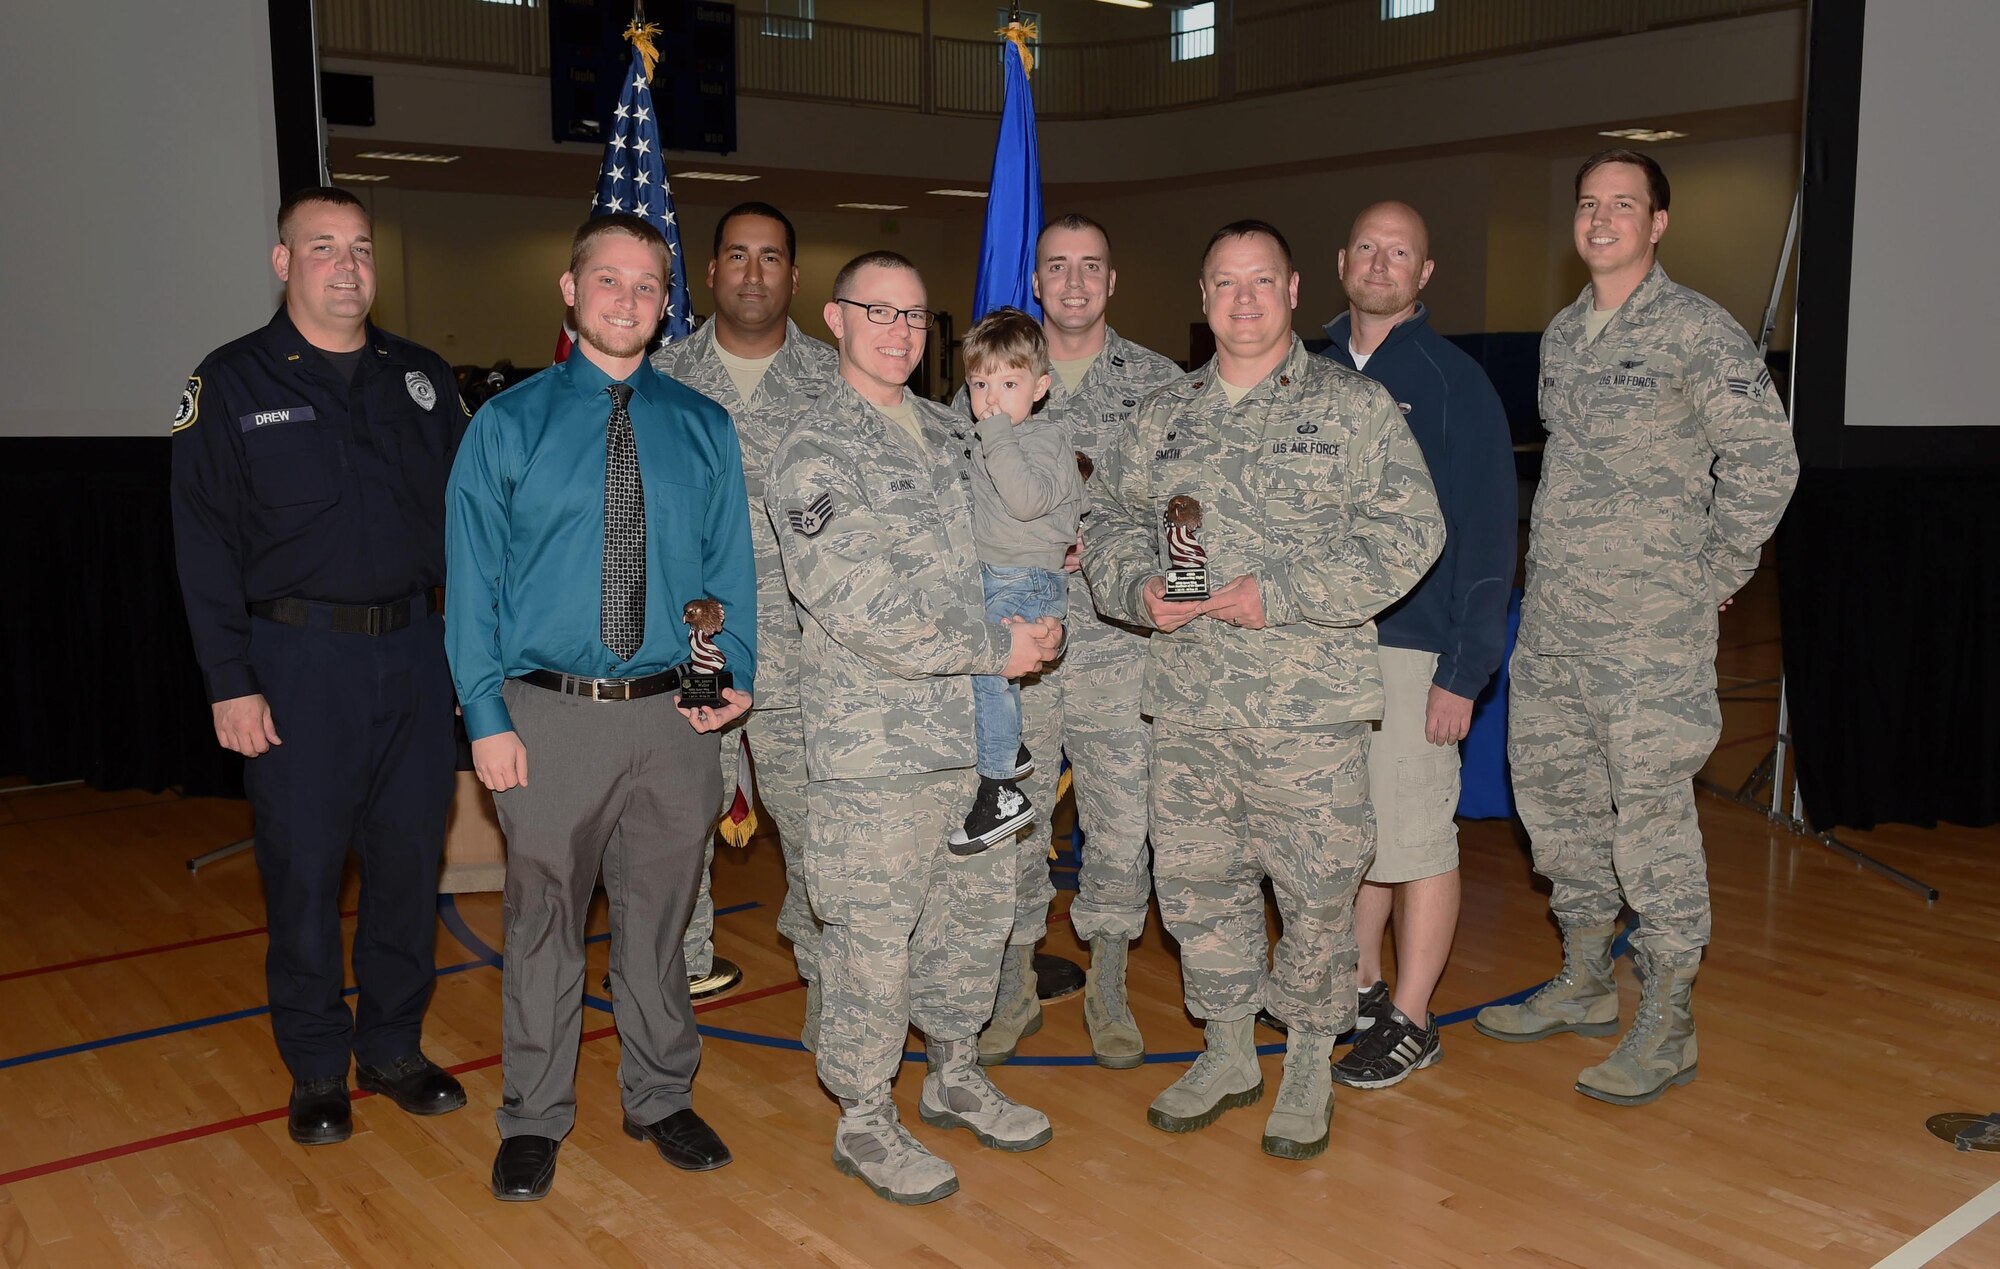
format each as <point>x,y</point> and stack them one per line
<point>808,520</point>
<point>421,390</point>
<point>190,407</point>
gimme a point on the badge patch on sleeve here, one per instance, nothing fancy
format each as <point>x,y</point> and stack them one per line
<point>808,520</point>
<point>1754,388</point>
<point>190,408</point>
<point>420,388</point>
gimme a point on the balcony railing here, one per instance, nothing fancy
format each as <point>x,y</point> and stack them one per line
<point>806,60</point>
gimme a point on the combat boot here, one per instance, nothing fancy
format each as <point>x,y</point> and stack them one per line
<point>1659,1051</point>
<point>1017,1014</point>
<point>1115,1041</point>
<point>957,1094</point>
<point>871,1145</point>
<point>809,1033</point>
<point>1301,1117</point>
<point>1225,1076</point>
<point>1583,998</point>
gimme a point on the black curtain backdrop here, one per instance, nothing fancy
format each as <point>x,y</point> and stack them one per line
<point>100,681</point>
<point>1889,583</point>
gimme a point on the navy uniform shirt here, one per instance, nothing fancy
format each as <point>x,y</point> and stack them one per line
<point>526,526</point>
<point>290,483</point>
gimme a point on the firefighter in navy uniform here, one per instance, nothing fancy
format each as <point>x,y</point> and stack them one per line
<point>309,468</point>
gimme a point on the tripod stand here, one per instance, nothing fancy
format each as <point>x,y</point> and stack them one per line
<point>1773,772</point>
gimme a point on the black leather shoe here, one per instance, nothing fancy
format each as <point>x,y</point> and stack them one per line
<point>320,1113</point>
<point>683,1140</point>
<point>415,1083</point>
<point>524,1169</point>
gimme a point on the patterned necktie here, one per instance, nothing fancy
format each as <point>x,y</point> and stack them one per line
<point>622,613</point>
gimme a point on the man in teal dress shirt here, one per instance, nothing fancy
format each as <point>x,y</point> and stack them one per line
<point>587,507</point>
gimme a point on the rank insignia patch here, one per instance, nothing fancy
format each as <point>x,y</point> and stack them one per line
<point>808,520</point>
<point>190,407</point>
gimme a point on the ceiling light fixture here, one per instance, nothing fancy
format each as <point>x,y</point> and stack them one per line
<point>716,176</point>
<point>406,156</point>
<point>1643,134</point>
<point>875,206</point>
<point>1129,4</point>
<point>360,176</point>
<point>958,193</point>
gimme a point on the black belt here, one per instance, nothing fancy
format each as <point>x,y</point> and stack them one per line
<point>366,619</point>
<point>604,689</point>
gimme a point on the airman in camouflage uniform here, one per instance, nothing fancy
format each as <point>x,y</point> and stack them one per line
<point>1669,462</point>
<point>753,279</point>
<point>1086,706</point>
<point>875,527</point>
<point>1317,512</point>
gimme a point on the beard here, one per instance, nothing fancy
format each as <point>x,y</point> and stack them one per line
<point>1377,302</point>
<point>615,341</point>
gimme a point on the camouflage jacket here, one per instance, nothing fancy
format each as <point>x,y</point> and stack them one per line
<point>1669,461</point>
<point>790,385</point>
<point>1096,411</point>
<point>876,535</point>
<point>1312,482</point>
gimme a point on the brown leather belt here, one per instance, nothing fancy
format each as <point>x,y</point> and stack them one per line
<point>604,689</point>
<point>365,619</point>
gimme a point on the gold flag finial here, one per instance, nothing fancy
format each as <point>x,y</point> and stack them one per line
<point>641,36</point>
<point>1020,33</point>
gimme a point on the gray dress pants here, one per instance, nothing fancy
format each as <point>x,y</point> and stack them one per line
<point>629,788</point>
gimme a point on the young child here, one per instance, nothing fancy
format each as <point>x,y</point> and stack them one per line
<point>1026,500</point>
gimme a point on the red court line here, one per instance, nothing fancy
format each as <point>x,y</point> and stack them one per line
<point>265,1116</point>
<point>141,951</point>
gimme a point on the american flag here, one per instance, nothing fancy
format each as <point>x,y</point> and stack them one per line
<point>633,179</point>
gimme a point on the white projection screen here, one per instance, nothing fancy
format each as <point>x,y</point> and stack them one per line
<point>141,179</point>
<point>1923,316</point>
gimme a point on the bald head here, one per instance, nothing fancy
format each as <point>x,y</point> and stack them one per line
<point>1386,262</point>
<point>1394,219</point>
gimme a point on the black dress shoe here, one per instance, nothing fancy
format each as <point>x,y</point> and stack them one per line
<point>524,1169</point>
<point>320,1113</point>
<point>415,1083</point>
<point>683,1140</point>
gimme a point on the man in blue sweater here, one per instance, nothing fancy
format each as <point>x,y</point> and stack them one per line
<point>1440,645</point>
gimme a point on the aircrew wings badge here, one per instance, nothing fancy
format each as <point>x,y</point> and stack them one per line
<point>190,407</point>
<point>808,520</point>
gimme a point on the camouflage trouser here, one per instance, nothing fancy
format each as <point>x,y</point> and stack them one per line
<point>1604,750</point>
<point>778,750</point>
<point>1233,807</point>
<point>913,933</point>
<point>1090,713</point>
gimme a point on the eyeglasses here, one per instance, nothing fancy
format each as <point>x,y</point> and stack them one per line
<point>886,314</point>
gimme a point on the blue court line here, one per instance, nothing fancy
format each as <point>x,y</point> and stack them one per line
<point>1619,948</point>
<point>447,911</point>
<point>172,1028</point>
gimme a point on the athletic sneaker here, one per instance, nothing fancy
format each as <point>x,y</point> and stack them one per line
<point>1372,1006</point>
<point>999,809</point>
<point>1369,1008</point>
<point>1387,1052</point>
<point>1024,762</point>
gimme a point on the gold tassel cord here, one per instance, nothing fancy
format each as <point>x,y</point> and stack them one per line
<point>1020,34</point>
<point>641,34</point>
<point>735,834</point>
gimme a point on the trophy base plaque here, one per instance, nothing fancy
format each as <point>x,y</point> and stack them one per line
<point>1187,585</point>
<point>702,689</point>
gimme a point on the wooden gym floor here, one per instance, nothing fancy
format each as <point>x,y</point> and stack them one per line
<point>142,1102</point>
